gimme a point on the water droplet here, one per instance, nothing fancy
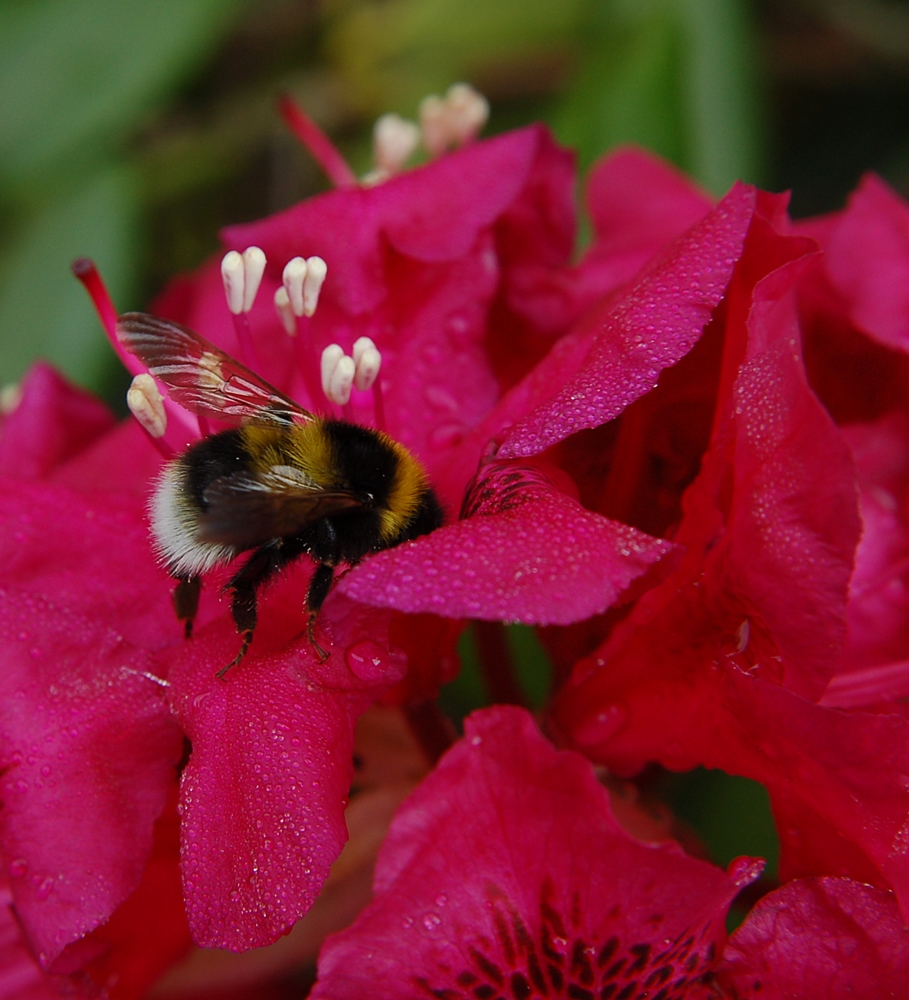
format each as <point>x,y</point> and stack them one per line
<point>44,888</point>
<point>18,868</point>
<point>367,660</point>
<point>431,921</point>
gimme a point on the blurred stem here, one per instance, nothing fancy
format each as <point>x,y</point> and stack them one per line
<point>497,664</point>
<point>431,728</point>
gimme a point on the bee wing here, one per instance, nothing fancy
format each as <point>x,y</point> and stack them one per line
<point>248,509</point>
<point>202,377</point>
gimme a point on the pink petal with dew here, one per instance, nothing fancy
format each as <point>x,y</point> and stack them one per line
<point>793,524</point>
<point>52,422</point>
<point>838,810</point>
<point>264,792</point>
<point>618,351</point>
<point>89,555</point>
<point>21,978</point>
<point>824,937</point>
<point>526,552</point>
<point>879,589</point>
<point>556,898</point>
<point>88,753</point>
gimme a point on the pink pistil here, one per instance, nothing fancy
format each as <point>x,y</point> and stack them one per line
<point>85,270</point>
<point>317,142</point>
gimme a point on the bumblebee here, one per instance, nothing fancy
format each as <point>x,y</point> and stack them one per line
<point>281,484</point>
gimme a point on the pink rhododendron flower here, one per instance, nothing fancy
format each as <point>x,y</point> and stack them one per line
<point>506,874</point>
<point>684,454</point>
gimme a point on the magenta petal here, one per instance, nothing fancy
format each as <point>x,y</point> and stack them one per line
<point>433,214</point>
<point>88,752</point>
<point>526,553</point>
<point>77,567</point>
<point>21,978</point>
<point>263,795</point>
<point>53,422</point>
<point>618,352</point>
<point>868,261</point>
<point>506,873</point>
<point>793,525</point>
<point>825,937</point>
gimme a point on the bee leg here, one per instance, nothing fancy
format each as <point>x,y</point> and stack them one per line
<point>185,599</point>
<point>244,610</point>
<point>263,563</point>
<point>319,586</point>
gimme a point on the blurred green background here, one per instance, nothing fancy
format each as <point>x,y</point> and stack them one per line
<point>132,130</point>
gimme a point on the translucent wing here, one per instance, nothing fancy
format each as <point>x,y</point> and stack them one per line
<point>247,509</point>
<point>202,377</point>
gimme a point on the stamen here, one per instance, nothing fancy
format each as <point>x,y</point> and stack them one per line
<point>147,405</point>
<point>337,374</point>
<point>302,283</point>
<point>316,271</point>
<point>285,312</point>
<point>294,276</point>
<point>233,273</point>
<point>317,142</point>
<point>254,268</point>
<point>242,275</point>
<point>367,363</point>
<point>303,280</point>
<point>394,140</point>
<point>468,112</point>
<point>433,126</point>
<point>453,120</point>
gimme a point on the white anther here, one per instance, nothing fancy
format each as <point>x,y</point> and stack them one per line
<point>316,270</point>
<point>284,310</point>
<point>146,405</point>
<point>242,274</point>
<point>394,140</point>
<point>254,268</point>
<point>330,358</point>
<point>452,120</point>
<point>232,271</point>
<point>367,363</point>
<point>294,276</point>
<point>433,125</point>
<point>468,112</point>
<point>337,374</point>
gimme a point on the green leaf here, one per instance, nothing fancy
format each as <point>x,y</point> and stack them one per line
<point>674,76</point>
<point>44,311</point>
<point>76,74</point>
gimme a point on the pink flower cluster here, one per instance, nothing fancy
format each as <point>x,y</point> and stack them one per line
<point>685,456</point>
